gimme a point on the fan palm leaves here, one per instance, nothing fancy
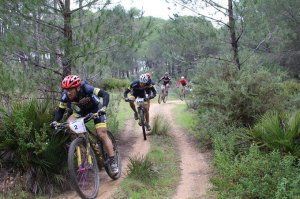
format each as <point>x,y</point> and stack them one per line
<point>35,150</point>
<point>279,131</point>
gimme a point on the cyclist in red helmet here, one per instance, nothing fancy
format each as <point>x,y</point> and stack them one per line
<point>86,97</point>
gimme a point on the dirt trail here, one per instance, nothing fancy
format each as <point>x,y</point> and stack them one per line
<point>195,171</point>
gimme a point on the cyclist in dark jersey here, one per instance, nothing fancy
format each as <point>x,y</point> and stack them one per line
<point>86,97</point>
<point>166,82</point>
<point>138,88</point>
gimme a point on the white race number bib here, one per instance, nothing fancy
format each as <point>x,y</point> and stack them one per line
<point>78,126</point>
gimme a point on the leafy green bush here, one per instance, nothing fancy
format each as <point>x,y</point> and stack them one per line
<point>292,86</point>
<point>34,150</point>
<point>160,126</point>
<point>112,83</point>
<point>240,95</point>
<point>255,174</point>
<point>278,131</point>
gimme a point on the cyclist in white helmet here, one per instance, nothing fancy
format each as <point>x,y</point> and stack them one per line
<point>137,89</point>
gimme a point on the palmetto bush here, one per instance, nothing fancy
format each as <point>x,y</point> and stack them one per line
<point>279,131</point>
<point>29,147</point>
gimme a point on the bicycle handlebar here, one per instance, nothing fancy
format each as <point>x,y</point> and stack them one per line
<point>86,118</point>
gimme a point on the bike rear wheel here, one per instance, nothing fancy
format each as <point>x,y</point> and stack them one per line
<point>181,96</point>
<point>83,169</point>
<point>165,98</point>
<point>159,99</point>
<point>141,112</point>
<point>118,159</point>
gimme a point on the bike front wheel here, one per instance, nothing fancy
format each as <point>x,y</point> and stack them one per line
<point>165,98</point>
<point>141,112</point>
<point>83,168</point>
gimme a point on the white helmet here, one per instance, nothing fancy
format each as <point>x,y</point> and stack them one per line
<point>182,77</point>
<point>143,78</point>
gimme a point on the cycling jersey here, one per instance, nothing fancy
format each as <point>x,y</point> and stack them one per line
<point>166,80</point>
<point>138,91</point>
<point>149,89</point>
<point>87,100</point>
<point>183,82</point>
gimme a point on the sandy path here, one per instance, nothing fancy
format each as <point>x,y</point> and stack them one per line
<point>195,170</point>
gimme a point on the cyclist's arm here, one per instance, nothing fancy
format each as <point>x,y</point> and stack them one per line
<point>103,94</point>
<point>186,83</point>
<point>59,114</point>
<point>160,80</point>
<point>127,91</point>
<point>61,108</point>
<point>178,83</point>
<point>153,91</point>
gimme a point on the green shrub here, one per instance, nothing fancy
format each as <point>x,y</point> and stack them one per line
<point>240,95</point>
<point>278,131</point>
<point>160,126</point>
<point>141,168</point>
<point>255,175</point>
<point>112,83</point>
<point>35,151</point>
<point>112,112</point>
<point>291,86</point>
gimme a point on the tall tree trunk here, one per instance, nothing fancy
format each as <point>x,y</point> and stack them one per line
<point>58,53</point>
<point>67,63</point>
<point>37,40</point>
<point>234,41</point>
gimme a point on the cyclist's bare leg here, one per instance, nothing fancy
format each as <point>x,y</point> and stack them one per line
<point>102,133</point>
<point>167,88</point>
<point>146,107</point>
<point>132,105</point>
<point>162,93</point>
<point>149,104</point>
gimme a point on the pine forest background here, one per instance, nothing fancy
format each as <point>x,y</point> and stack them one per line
<point>244,73</point>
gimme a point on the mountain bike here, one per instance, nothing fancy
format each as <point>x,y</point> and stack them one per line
<point>164,97</point>
<point>141,113</point>
<point>82,162</point>
<point>182,93</point>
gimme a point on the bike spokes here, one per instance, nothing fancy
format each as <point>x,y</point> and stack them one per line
<point>84,170</point>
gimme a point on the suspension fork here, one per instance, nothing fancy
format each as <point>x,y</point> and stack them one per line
<point>94,147</point>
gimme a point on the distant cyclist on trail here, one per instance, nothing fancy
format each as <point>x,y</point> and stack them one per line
<point>183,82</point>
<point>138,89</point>
<point>148,89</point>
<point>86,97</point>
<point>166,83</point>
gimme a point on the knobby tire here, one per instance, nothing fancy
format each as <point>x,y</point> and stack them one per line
<point>143,123</point>
<point>85,176</point>
<point>159,99</point>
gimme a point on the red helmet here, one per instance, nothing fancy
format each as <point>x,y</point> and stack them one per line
<point>149,76</point>
<point>71,81</point>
